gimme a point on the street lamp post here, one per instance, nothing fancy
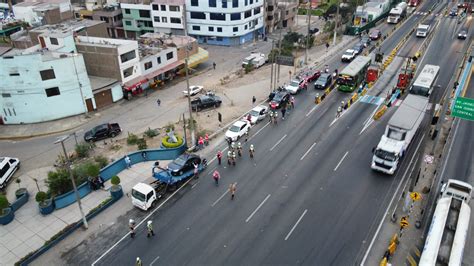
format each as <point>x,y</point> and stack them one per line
<point>68,166</point>
<point>186,69</point>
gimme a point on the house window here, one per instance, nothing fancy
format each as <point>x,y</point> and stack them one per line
<point>144,13</point>
<point>246,2</point>
<point>6,95</point>
<point>127,11</point>
<point>169,56</point>
<point>270,8</point>
<point>224,3</point>
<point>194,3</point>
<point>197,28</point>
<point>106,19</point>
<point>52,92</point>
<point>128,23</point>
<point>158,59</point>
<point>128,56</point>
<point>198,15</point>
<point>155,7</point>
<point>211,28</point>
<point>148,65</point>
<point>246,27</point>
<point>251,1</point>
<point>164,19</point>
<point>286,12</point>
<point>174,8</point>
<point>256,11</point>
<point>14,74</point>
<point>54,41</point>
<point>235,3</point>
<point>127,72</point>
<point>219,29</point>
<point>235,29</point>
<point>248,13</point>
<point>163,7</point>
<point>47,74</point>
<point>235,16</point>
<point>217,16</point>
<point>212,3</point>
<point>175,20</point>
<point>156,19</point>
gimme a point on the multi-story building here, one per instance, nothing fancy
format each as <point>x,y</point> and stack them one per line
<point>43,12</point>
<point>112,16</point>
<point>280,14</point>
<point>136,19</point>
<point>168,16</point>
<point>44,82</point>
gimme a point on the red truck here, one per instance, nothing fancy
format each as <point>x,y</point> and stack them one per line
<point>414,3</point>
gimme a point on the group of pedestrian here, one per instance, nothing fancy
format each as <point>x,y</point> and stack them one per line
<point>203,141</point>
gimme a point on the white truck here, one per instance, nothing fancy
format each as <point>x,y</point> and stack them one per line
<point>423,30</point>
<point>448,231</point>
<point>397,13</point>
<point>399,132</point>
<point>255,59</point>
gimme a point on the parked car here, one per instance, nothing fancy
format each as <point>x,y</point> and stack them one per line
<point>348,55</point>
<point>281,97</point>
<point>462,35</point>
<point>323,82</point>
<point>258,113</point>
<point>184,163</point>
<point>205,101</point>
<point>365,40</point>
<point>8,167</point>
<point>358,48</point>
<point>308,78</point>
<point>375,34</point>
<point>237,130</point>
<point>193,90</point>
<point>294,86</point>
<point>109,130</point>
<point>313,31</point>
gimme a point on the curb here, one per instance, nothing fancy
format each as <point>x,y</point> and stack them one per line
<point>40,134</point>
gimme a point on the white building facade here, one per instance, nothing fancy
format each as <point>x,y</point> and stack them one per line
<point>168,16</point>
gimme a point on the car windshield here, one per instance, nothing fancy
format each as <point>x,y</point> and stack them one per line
<point>422,30</point>
<point>349,53</point>
<point>278,97</point>
<point>179,161</point>
<point>254,113</point>
<point>138,195</point>
<point>234,128</point>
<point>389,156</point>
<point>322,80</point>
<point>294,83</point>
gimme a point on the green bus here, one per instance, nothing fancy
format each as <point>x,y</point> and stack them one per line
<point>353,74</point>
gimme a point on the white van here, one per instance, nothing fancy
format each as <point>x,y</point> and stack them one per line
<point>8,167</point>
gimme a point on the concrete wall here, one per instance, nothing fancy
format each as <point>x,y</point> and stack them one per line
<point>94,58</point>
<point>154,61</point>
<point>23,97</point>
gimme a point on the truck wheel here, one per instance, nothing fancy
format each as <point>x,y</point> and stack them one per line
<point>113,134</point>
<point>153,204</point>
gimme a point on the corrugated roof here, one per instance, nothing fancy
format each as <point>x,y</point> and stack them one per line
<point>409,112</point>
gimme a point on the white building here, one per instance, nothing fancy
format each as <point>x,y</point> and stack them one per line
<point>168,16</point>
<point>43,11</point>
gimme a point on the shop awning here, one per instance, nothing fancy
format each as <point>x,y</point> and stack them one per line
<point>197,58</point>
<point>163,69</point>
<point>132,84</point>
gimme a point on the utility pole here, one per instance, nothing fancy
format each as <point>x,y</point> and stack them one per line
<point>336,24</point>
<point>279,49</point>
<point>309,30</point>
<point>68,166</point>
<point>273,63</point>
<point>186,69</point>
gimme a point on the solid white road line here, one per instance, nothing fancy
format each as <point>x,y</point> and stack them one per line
<point>369,120</point>
<point>256,133</point>
<point>278,142</point>
<point>312,110</point>
<point>390,204</point>
<point>342,159</point>
<point>255,211</point>
<point>296,224</point>
<point>215,202</point>
<point>306,153</point>
<point>154,260</point>
<point>195,185</point>
<point>140,223</point>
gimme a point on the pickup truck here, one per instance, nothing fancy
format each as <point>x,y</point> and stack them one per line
<point>108,130</point>
<point>205,101</point>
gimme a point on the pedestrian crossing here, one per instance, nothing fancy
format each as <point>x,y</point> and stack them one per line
<point>418,13</point>
<point>372,99</point>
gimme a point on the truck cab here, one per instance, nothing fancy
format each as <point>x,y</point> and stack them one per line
<point>422,30</point>
<point>457,189</point>
<point>144,196</point>
<point>387,155</point>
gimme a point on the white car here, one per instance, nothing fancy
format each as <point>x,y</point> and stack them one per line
<point>294,86</point>
<point>258,113</point>
<point>193,90</point>
<point>8,167</point>
<point>237,130</point>
<point>348,55</point>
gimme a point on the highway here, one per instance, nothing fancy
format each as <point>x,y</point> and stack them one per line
<point>309,196</point>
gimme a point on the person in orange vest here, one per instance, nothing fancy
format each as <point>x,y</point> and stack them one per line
<point>201,142</point>
<point>206,139</point>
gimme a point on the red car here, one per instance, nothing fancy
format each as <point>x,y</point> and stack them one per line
<point>309,78</point>
<point>375,34</point>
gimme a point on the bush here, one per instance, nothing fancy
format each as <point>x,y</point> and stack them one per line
<point>85,170</point>
<point>41,196</point>
<point>58,182</point>
<point>132,139</point>
<point>115,180</point>
<point>101,160</point>
<point>249,68</point>
<point>3,203</point>
<point>151,133</point>
<point>83,149</point>
<point>169,145</point>
<point>141,144</point>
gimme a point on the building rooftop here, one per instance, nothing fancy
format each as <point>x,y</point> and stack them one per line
<point>168,2</point>
<point>46,55</point>
<point>169,40</point>
<point>66,28</point>
<point>98,83</point>
<point>102,42</point>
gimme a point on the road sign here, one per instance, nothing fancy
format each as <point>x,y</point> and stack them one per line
<point>464,108</point>
<point>404,222</point>
<point>285,60</point>
<point>415,196</point>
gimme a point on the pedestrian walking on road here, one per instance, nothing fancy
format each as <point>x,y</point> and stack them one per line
<point>128,162</point>
<point>229,157</point>
<point>232,189</point>
<point>283,111</point>
<point>233,158</point>
<point>138,262</point>
<point>219,157</point>
<point>214,65</point>
<point>196,170</point>
<point>216,177</point>
<point>253,100</point>
<point>158,102</point>
<point>292,102</point>
<point>131,225</point>
<point>201,143</point>
<point>149,227</point>
<point>206,139</point>
<point>251,150</point>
